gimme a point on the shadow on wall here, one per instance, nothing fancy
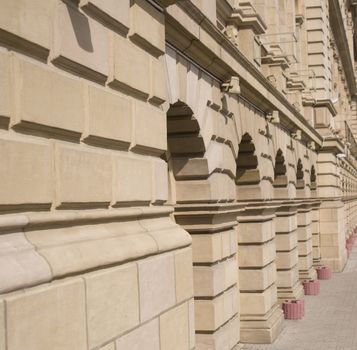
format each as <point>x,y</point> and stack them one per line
<point>81,28</point>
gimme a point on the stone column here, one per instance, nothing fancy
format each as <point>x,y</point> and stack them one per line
<point>261,317</point>
<point>304,233</point>
<point>215,272</point>
<point>288,284</point>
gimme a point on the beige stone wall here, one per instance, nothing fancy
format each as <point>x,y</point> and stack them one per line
<point>150,298</point>
<point>90,258</point>
<point>169,175</point>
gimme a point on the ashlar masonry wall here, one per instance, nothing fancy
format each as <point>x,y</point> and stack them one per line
<point>89,256</point>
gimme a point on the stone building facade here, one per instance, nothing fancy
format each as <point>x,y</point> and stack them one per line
<point>170,170</point>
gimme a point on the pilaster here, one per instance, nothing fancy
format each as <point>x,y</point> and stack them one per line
<point>315,230</point>
<point>304,235</point>
<point>215,272</point>
<point>288,284</point>
<point>332,234</point>
<point>261,317</point>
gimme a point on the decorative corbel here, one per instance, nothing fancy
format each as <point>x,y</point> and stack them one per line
<point>296,135</point>
<point>232,86</point>
<point>273,117</point>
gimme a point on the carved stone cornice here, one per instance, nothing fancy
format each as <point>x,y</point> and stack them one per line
<point>245,16</point>
<point>328,104</point>
<point>190,45</point>
<point>332,145</point>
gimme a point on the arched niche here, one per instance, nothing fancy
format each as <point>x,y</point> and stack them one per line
<point>300,181</point>
<point>183,132</point>
<point>303,189</point>
<point>247,175</point>
<point>280,183</point>
<point>186,148</point>
<point>313,185</point>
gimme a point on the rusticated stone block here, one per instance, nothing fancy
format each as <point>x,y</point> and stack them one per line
<point>5,79</point>
<point>209,248</point>
<point>37,319</point>
<point>256,255</point>
<point>144,337</point>
<point>304,233</point>
<point>303,218</point>
<point>112,12</point>
<point>218,187</point>
<point>147,27</point>
<point>157,285</point>
<point>29,24</point>
<point>229,242</point>
<point>26,172</point>
<point>305,262</point>
<point>2,326</point>
<point>133,180</point>
<point>92,172</point>
<point>81,44</point>
<point>158,93</point>
<point>285,223</point>
<point>286,241</point>
<point>213,280</point>
<point>258,303</point>
<point>153,119</point>
<point>256,232</point>
<point>47,101</point>
<point>257,279</point>
<point>191,322</point>
<point>112,303</point>
<point>226,338</point>
<point>305,247</point>
<point>174,329</point>
<point>287,278</point>
<point>160,181</point>
<point>21,265</point>
<point>286,260</point>
<point>183,274</point>
<point>211,314</point>
<point>110,118</point>
<point>130,62</point>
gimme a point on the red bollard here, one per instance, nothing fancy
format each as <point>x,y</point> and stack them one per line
<point>311,287</point>
<point>323,273</point>
<point>293,309</point>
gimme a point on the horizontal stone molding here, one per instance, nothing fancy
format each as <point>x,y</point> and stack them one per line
<point>40,247</point>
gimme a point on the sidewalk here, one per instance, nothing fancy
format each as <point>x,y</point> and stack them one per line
<point>330,321</point>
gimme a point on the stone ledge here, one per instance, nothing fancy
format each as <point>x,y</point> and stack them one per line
<point>46,246</point>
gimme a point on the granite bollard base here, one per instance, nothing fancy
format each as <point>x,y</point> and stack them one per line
<point>311,287</point>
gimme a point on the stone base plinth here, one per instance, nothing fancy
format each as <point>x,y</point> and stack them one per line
<point>309,274</point>
<point>336,264</point>
<point>262,329</point>
<point>296,292</point>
